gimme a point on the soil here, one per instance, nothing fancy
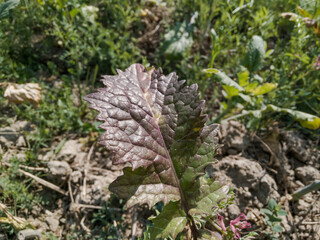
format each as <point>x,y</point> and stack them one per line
<point>269,164</point>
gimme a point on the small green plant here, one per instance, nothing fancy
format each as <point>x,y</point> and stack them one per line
<point>104,220</point>
<point>249,95</point>
<point>273,214</point>
<point>57,114</point>
<point>6,7</point>
<point>15,191</point>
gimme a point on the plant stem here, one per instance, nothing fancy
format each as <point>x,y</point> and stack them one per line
<point>216,226</point>
<point>95,73</point>
<point>78,83</point>
<point>193,228</point>
<point>225,112</point>
<point>237,116</point>
<point>303,191</point>
<point>183,200</point>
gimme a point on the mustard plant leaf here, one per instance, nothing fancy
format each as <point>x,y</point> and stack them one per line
<point>138,125</point>
<point>155,126</point>
<point>208,196</point>
<point>169,223</point>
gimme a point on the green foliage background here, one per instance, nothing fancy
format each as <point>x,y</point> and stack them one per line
<point>76,41</point>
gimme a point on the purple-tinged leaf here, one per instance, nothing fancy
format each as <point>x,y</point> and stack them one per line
<point>133,111</point>
<point>155,123</point>
<point>143,186</point>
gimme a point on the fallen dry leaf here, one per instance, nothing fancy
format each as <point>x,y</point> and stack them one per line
<point>19,93</point>
<point>17,222</point>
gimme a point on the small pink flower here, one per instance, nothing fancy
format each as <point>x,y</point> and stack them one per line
<point>234,230</point>
<point>235,224</point>
<point>317,63</point>
<point>244,224</point>
<point>220,218</point>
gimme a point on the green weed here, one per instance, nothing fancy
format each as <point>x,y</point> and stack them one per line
<point>273,214</point>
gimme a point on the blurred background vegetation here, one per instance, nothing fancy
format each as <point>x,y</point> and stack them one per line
<point>253,60</point>
<point>270,49</point>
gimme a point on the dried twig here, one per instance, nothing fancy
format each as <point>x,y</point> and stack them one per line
<point>28,168</point>
<point>79,205</point>
<point>70,190</point>
<point>44,183</point>
<point>34,168</point>
<point>273,155</point>
<point>311,223</point>
<point>84,227</point>
<point>9,133</point>
<point>256,215</point>
<point>85,171</point>
<point>41,181</point>
<point>149,33</point>
<point>17,222</point>
<point>134,223</point>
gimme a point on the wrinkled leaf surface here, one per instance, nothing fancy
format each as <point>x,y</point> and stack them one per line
<point>154,125</point>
